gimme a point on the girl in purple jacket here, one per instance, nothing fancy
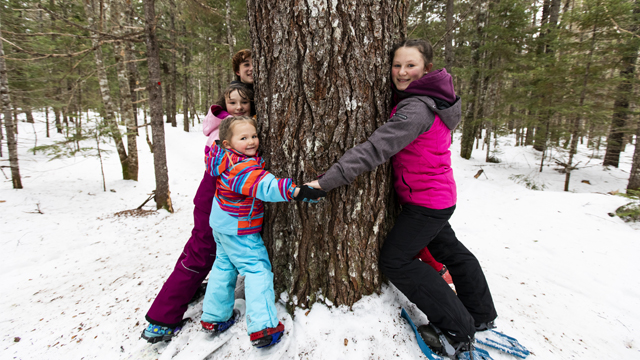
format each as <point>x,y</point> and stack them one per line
<point>195,262</point>
<point>417,139</point>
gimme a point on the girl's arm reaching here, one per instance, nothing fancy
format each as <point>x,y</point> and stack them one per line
<point>410,120</point>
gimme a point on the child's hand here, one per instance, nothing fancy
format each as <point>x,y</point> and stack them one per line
<point>314,184</point>
<point>308,194</point>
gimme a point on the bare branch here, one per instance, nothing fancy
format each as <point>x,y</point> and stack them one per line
<point>204,6</point>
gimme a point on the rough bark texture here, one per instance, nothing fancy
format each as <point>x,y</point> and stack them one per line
<point>9,124</point>
<point>163,198</point>
<point>322,87</point>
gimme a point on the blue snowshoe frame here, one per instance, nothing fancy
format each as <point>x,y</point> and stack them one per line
<point>478,354</point>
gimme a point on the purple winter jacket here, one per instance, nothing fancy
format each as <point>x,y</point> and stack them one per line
<point>417,136</point>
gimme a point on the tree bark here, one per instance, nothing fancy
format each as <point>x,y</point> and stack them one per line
<point>323,87</point>
<point>128,116</point>
<point>92,10</point>
<point>10,125</point>
<point>162,193</point>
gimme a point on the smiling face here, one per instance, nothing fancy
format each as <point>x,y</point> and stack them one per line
<point>244,139</point>
<point>237,105</point>
<point>245,71</point>
<point>408,65</point>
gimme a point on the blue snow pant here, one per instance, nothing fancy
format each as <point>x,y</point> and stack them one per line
<point>247,255</point>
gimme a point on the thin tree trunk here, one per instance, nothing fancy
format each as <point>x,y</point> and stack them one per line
<point>470,122</point>
<point>623,93</point>
<point>634,176</point>
<point>576,125</point>
<point>92,11</point>
<point>173,83</point>
<point>162,193</point>
<point>321,84</point>
<point>231,40</point>
<point>10,125</point>
<point>127,114</point>
<point>46,118</point>
<point>448,42</point>
<point>186,88</point>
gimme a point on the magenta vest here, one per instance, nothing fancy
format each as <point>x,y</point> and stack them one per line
<point>422,170</point>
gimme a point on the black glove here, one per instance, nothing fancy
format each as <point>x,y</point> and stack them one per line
<point>309,194</point>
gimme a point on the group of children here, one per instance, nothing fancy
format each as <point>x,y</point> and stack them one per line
<point>418,253</point>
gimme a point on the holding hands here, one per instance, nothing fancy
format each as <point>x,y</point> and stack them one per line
<point>308,194</point>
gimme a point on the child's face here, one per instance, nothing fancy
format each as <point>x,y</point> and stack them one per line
<point>408,65</point>
<point>244,138</point>
<point>237,105</point>
<point>245,71</point>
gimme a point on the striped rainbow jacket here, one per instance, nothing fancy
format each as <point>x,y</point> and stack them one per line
<point>241,187</point>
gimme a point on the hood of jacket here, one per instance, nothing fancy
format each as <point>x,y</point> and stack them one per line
<point>211,123</point>
<point>436,84</point>
<point>436,90</point>
<point>222,159</point>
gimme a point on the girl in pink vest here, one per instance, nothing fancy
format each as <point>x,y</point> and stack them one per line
<point>417,139</point>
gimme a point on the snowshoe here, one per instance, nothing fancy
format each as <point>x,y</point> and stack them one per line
<point>268,336</point>
<point>156,333</point>
<point>220,326</point>
<point>442,344</point>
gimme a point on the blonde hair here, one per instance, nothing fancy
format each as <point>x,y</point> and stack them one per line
<point>226,125</point>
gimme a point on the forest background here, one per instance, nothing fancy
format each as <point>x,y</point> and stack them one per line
<point>554,73</point>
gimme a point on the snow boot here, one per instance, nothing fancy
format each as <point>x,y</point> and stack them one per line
<point>485,326</point>
<point>156,333</point>
<point>220,326</point>
<point>444,273</point>
<point>443,345</point>
<point>268,336</point>
<point>199,294</point>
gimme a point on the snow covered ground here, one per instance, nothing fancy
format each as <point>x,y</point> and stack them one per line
<point>76,280</point>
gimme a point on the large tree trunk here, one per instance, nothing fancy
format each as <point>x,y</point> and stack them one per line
<point>9,124</point>
<point>322,87</point>
<point>117,15</point>
<point>93,10</point>
<point>163,198</point>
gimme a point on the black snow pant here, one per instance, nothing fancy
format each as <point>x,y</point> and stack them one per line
<point>415,228</point>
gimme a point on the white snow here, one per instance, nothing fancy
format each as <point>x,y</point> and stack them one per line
<point>76,281</point>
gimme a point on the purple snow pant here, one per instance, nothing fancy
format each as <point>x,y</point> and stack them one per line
<point>193,265</point>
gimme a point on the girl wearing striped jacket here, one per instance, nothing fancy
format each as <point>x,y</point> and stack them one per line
<point>236,220</point>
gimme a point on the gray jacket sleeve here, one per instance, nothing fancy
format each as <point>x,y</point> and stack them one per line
<point>411,119</point>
